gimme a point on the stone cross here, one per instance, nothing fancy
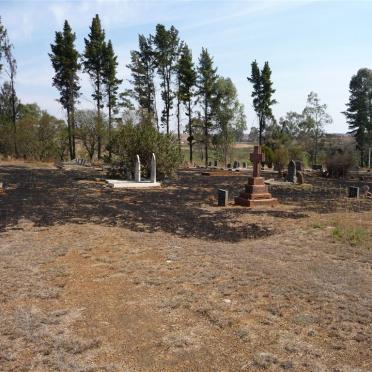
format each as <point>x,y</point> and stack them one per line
<point>153,168</point>
<point>257,157</point>
<point>137,170</point>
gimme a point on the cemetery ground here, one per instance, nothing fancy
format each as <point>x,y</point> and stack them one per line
<point>96,279</point>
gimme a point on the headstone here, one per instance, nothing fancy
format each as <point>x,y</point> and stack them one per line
<point>235,164</point>
<point>153,168</point>
<point>223,197</point>
<point>238,165</point>
<point>256,193</point>
<point>300,177</point>
<point>353,192</point>
<point>216,163</point>
<point>229,165</point>
<point>209,164</point>
<point>299,166</point>
<point>137,170</point>
<point>291,175</point>
<point>244,164</point>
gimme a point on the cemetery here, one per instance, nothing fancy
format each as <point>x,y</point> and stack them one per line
<point>180,198</point>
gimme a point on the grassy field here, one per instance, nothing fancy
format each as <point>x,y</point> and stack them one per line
<point>239,152</point>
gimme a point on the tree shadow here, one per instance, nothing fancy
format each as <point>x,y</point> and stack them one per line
<point>50,197</point>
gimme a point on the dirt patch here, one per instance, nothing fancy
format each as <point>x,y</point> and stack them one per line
<point>95,280</point>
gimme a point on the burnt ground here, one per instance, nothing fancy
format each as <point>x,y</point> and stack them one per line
<point>95,279</point>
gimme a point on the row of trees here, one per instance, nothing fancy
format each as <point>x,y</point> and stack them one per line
<point>162,67</point>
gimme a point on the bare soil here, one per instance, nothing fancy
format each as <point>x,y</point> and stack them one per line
<point>96,279</point>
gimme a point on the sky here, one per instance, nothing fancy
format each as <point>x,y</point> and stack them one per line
<point>310,45</point>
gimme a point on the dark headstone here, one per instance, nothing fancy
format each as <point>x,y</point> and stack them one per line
<point>353,192</point>
<point>215,163</point>
<point>244,164</point>
<point>291,175</point>
<point>235,164</point>
<point>229,165</point>
<point>209,164</point>
<point>223,197</point>
<point>238,164</point>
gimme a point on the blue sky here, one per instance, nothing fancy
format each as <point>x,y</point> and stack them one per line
<point>310,45</point>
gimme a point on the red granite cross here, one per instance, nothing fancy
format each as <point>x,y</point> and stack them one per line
<point>257,157</point>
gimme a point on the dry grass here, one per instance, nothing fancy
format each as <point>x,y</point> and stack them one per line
<point>95,296</point>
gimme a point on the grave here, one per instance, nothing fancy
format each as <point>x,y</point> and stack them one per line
<point>291,173</point>
<point>235,164</point>
<point>138,182</point>
<point>256,193</point>
<point>223,197</point>
<point>216,163</point>
<point>353,192</point>
<point>244,164</point>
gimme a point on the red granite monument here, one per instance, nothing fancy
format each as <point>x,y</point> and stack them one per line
<point>256,193</point>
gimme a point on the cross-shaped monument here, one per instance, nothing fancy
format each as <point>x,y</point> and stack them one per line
<point>257,157</point>
<point>256,193</point>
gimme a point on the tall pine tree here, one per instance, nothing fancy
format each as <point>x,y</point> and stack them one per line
<point>206,83</point>
<point>166,47</point>
<point>262,95</point>
<point>111,83</point>
<point>359,110</point>
<point>94,65</point>
<point>186,74</point>
<point>65,61</point>
<point>142,69</point>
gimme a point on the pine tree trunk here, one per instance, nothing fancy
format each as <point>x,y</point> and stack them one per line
<point>14,117</point>
<point>206,132</point>
<point>73,131</point>
<point>109,123</point>
<point>69,135</point>
<point>99,139</point>
<point>179,125</point>
<point>190,132</point>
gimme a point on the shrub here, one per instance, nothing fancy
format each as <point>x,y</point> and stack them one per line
<point>339,162</point>
<point>131,139</point>
<point>281,158</point>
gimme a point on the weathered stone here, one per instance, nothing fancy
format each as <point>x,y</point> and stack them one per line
<point>291,175</point>
<point>256,193</point>
<point>223,196</point>
<point>353,192</point>
<point>153,168</point>
<point>137,170</point>
<point>300,177</point>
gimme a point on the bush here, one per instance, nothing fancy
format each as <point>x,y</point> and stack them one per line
<point>281,158</point>
<point>339,162</point>
<point>131,139</point>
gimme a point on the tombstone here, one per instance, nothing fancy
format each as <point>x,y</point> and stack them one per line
<point>244,164</point>
<point>291,176</point>
<point>216,163</point>
<point>153,168</point>
<point>137,170</point>
<point>209,164</point>
<point>300,177</point>
<point>223,197</point>
<point>353,192</point>
<point>256,193</point>
<point>235,164</point>
<point>228,165</point>
<point>299,165</point>
<point>238,165</point>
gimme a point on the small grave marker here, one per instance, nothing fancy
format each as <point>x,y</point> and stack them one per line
<point>291,175</point>
<point>353,192</point>
<point>223,197</point>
